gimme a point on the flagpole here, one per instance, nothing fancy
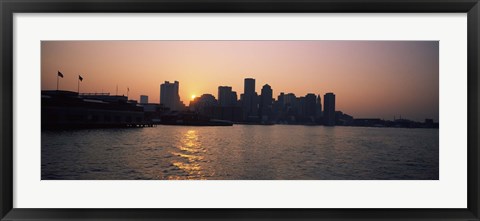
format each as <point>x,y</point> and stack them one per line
<point>78,86</point>
<point>57,81</point>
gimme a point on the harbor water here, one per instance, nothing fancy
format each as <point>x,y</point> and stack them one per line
<point>241,152</point>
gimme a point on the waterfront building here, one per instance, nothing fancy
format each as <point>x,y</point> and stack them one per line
<point>234,98</point>
<point>249,86</point>
<point>343,119</point>
<point>300,101</point>
<point>266,98</point>
<point>226,97</point>
<point>153,112</point>
<point>98,96</point>
<point>329,109</point>
<point>290,99</point>
<point>319,107</point>
<point>181,106</point>
<point>67,109</point>
<point>200,103</point>
<point>277,107</point>
<point>143,99</point>
<point>290,112</point>
<point>250,100</point>
<point>206,105</point>
<point>169,95</point>
<point>281,100</point>
<point>310,107</point>
<point>228,113</point>
<point>290,103</point>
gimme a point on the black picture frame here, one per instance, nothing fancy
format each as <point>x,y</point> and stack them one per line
<point>9,7</point>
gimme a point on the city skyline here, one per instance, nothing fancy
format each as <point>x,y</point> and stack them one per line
<point>411,93</point>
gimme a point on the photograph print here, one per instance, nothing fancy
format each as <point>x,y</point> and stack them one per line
<point>240,110</point>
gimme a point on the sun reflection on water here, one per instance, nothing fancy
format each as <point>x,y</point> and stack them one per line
<point>189,156</point>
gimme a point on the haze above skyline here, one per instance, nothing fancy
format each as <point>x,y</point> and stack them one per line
<point>371,79</point>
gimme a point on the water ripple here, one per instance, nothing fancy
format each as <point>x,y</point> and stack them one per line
<point>241,152</point>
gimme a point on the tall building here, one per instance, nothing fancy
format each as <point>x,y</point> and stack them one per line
<point>281,99</point>
<point>290,104</point>
<point>300,108</point>
<point>143,99</point>
<point>319,107</point>
<point>169,95</point>
<point>226,97</point>
<point>249,86</point>
<point>278,105</point>
<point>234,98</point>
<point>290,100</point>
<point>241,100</point>
<point>310,105</point>
<point>266,98</point>
<point>329,109</point>
<point>250,100</point>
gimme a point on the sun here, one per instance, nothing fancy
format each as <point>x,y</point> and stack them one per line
<point>193,96</point>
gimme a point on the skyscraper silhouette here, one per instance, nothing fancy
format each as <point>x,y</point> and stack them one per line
<point>319,110</point>
<point>329,109</point>
<point>225,96</point>
<point>169,95</point>
<point>266,98</point>
<point>250,101</point>
<point>249,86</point>
<point>310,106</point>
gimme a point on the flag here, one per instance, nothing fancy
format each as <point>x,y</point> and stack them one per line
<point>128,89</point>
<point>80,78</point>
<point>60,74</point>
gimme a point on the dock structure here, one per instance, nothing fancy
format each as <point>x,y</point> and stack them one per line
<point>141,125</point>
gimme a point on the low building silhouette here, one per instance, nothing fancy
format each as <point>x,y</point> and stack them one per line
<point>154,112</point>
<point>343,119</point>
<point>143,99</point>
<point>368,122</point>
<point>66,109</point>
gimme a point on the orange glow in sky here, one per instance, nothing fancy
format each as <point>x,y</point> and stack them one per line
<point>378,79</point>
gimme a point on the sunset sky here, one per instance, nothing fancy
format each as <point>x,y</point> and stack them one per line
<point>371,79</point>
